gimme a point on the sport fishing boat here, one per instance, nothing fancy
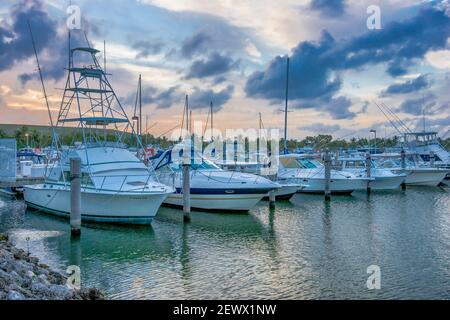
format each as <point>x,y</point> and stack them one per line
<point>418,174</point>
<point>430,150</point>
<point>384,179</point>
<point>304,169</point>
<point>211,187</point>
<point>116,186</point>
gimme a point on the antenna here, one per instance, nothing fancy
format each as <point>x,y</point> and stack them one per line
<point>104,55</point>
<point>187,112</point>
<point>140,107</point>
<point>423,112</point>
<point>286,106</point>
<point>212,121</point>
<point>42,82</point>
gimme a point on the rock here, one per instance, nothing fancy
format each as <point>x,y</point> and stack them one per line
<point>42,278</point>
<point>30,274</point>
<point>39,288</point>
<point>3,237</point>
<point>22,277</point>
<point>14,295</point>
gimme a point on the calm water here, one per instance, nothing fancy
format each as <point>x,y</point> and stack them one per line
<point>305,249</point>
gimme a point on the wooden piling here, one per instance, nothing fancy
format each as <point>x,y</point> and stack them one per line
<point>327,163</point>
<point>186,193</point>
<point>432,158</point>
<point>368,171</point>
<point>403,164</point>
<point>75,196</point>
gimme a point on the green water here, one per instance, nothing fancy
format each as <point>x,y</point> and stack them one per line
<point>305,249</point>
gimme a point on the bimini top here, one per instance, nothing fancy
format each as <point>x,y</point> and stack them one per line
<point>96,120</point>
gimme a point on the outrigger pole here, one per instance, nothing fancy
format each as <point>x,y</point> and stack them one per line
<point>42,82</point>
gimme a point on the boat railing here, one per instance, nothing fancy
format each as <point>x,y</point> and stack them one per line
<point>123,181</point>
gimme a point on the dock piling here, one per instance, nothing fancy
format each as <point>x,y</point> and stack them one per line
<point>186,193</point>
<point>75,196</point>
<point>368,171</point>
<point>432,158</point>
<point>327,163</point>
<point>403,164</point>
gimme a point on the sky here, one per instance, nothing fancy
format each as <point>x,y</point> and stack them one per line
<point>234,54</point>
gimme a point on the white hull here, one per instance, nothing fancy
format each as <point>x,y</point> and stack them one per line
<point>424,177</point>
<point>343,186</point>
<point>219,202</point>
<point>386,183</point>
<point>118,207</point>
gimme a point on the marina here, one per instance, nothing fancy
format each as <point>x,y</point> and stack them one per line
<point>108,190</point>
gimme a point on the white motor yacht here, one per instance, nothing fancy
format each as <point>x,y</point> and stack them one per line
<point>303,169</point>
<point>384,179</point>
<point>211,187</point>
<point>418,174</point>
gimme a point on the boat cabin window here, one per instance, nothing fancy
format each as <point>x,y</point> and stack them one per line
<point>357,164</point>
<point>85,178</point>
<point>427,158</point>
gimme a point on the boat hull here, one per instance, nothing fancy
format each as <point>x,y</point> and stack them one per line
<point>96,206</point>
<point>216,202</point>
<point>285,192</point>
<point>337,186</point>
<point>387,183</point>
<point>423,177</point>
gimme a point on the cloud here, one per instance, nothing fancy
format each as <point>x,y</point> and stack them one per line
<point>215,64</point>
<point>316,67</point>
<point>195,44</point>
<point>147,48</point>
<point>329,8</point>
<point>414,85</point>
<point>416,106</point>
<point>321,128</point>
<point>198,98</point>
<point>16,45</point>
<point>15,40</point>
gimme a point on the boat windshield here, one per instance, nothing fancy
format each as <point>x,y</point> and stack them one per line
<point>308,163</point>
<point>204,165</point>
<point>292,163</point>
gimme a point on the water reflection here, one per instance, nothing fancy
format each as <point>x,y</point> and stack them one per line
<point>306,248</point>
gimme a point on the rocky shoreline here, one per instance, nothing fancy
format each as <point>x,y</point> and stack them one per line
<point>22,277</point>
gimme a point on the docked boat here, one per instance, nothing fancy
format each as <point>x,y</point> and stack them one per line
<point>384,179</point>
<point>284,192</point>
<point>116,186</point>
<point>303,169</point>
<point>211,187</point>
<point>418,174</point>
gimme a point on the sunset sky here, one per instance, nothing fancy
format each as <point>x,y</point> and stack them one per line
<point>233,52</point>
